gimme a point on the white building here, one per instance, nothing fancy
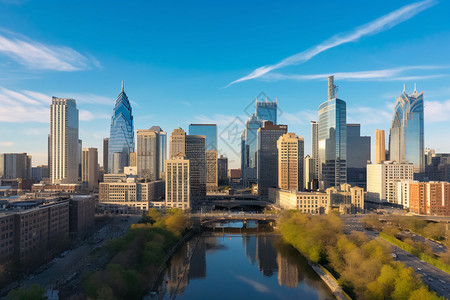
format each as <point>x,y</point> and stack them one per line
<point>382,180</point>
<point>178,182</point>
<point>402,195</point>
<point>306,202</point>
<point>64,144</point>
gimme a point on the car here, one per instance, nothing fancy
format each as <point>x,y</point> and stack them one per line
<point>394,255</point>
<point>419,269</point>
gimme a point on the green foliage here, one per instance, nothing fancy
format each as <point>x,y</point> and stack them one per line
<point>364,268</point>
<point>136,257</point>
<point>35,292</point>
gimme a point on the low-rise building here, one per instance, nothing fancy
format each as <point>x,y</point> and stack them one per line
<point>306,202</point>
<point>429,198</point>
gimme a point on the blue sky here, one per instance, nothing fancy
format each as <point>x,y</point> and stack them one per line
<point>177,59</point>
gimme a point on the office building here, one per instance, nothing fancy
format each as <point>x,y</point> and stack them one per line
<point>89,168</point>
<point>290,162</point>
<point>210,132</point>
<point>178,187</point>
<point>121,139</point>
<point>147,154</point>
<point>266,110</point>
<point>177,143</point>
<point>305,202</point>
<point>81,215</point>
<point>380,148</point>
<point>315,149</point>
<point>382,180</point>
<point>438,166</point>
<point>429,198</point>
<point>15,165</point>
<point>267,156</point>
<point>406,138</point>
<point>105,155</point>
<point>162,135</point>
<point>332,140</point>
<point>248,150</point>
<point>65,153</point>
<point>310,182</point>
<point>40,173</point>
<point>358,153</point>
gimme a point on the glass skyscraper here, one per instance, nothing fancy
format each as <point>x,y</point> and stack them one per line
<point>406,139</point>
<point>208,130</point>
<point>248,150</point>
<point>121,140</point>
<point>332,136</point>
<point>266,111</point>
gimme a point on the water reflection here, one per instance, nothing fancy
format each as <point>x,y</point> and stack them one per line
<point>236,266</point>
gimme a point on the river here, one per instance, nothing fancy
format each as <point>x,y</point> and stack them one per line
<point>240,266</point>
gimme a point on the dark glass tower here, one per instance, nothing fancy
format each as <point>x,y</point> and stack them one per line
<point>121,140</point>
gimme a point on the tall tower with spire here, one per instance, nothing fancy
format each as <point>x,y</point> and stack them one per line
<point>406,138</point>
<point>121,140</point>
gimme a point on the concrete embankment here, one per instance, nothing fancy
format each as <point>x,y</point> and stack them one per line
<point>330,281</point>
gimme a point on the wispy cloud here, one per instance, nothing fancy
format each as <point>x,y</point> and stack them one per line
<point>6,144</point>
<point>381,24</point>
<point>29,106</point>
<point>397,74</point>
<point>35,55</point>
<point>255,284</point>
<point>436,111</point>
<point>369,115</point>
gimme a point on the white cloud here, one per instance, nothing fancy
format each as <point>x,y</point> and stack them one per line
<point>6,144</point>
<point>381,24</point>
<point>35,55</point>
<point>369,115</point>
<point>372,75</point>
<point>436,111</point>
<point>300,117</point>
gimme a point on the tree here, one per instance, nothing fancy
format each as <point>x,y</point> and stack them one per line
<point>35,292</point>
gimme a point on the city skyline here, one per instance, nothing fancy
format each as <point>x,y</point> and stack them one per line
<point>190,80</point>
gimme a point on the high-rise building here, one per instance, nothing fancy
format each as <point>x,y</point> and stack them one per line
<point>105,155</point>
<point>266,110</point>
<point>290,162</point>
<point>358,153</point>
<point>438,168</point>
<point>65,156</point>
<point>310,182</point>
<point>178,182</point>
<point>15,165</point>
<point>222,170</point>
<point>80,150</point>
<point>121,139</point>
<point>89,168</point>
<point>193,148</point>
<point>315,148</point>
<point>248,150</point>
<point>380,147</point>
<point>267,156</point>
<point>39,173</point>
<point>210,132</point>
<point>382,180</point>
<point>162,135</point>
<point>332,137</point>
<point>406,138</point>
<point>431,198</point>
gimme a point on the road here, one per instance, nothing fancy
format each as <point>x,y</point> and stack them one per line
<point>72,263</point>
<point>437,248</point>
<point>437,280</point>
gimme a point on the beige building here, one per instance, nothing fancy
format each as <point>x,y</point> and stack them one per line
<point>89,168</point>
<point>380,146</point>
<point>178,191</point>
<point>211,171</point>
<point>382,180</point>
<point>290,162</point>
<point>306,202</point>
<point>133,159</point>
<point>177,142</point>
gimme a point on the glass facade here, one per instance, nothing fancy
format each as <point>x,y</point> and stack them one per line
<point>121,140</point>
<point>267,111</point>
<point>332,136</point>
<point>248,149</point>
<point>358,153</point>
<point>208,130</point>
<point>406,139</point>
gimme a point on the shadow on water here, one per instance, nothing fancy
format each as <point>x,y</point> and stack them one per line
<point>236,265</point>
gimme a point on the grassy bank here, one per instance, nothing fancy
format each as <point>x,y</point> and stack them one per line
<point>408,248</point>
<point>135,258</point>
<point>364,268</point>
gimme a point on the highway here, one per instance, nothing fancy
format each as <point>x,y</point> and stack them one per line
<point>437,280</point>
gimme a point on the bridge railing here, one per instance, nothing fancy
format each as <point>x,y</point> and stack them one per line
<point>227,215</point>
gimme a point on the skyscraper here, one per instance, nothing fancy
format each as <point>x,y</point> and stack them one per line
<point>210,132</point>
<point>380,147</point>
<point>406,138</point>
<point>15,165</point>
<point>178,182</point>
<point>248,150</point>
<point>315,151</point>
<point>266,110</point>
<point>151,152</point>
<point>121,139</point>
<point>358,153</point>
<point>64,164</point>
<point>290,162</point>
<point>105,155</point>
<point>267,156</point>
<point>222,170</point>
<point>332,136</point>
<point>89,168</point>
<point>308,173</point>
